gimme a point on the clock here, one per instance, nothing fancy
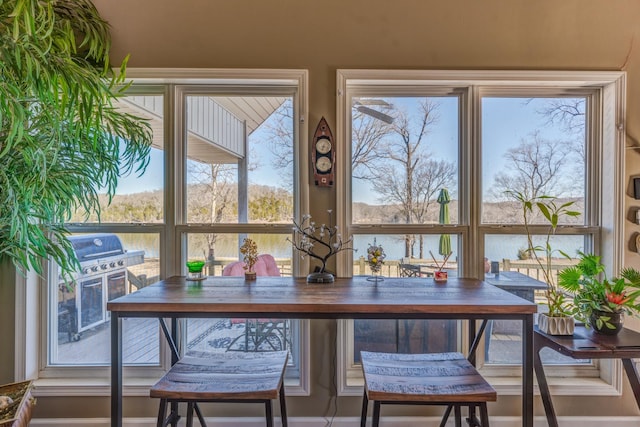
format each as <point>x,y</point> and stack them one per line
<point>323,164</point>
<point>323,155</point>
<point>323,145</point>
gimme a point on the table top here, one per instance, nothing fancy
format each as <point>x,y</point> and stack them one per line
<point>514,280</point>
<point>345,298</point>
<point>586,344</point>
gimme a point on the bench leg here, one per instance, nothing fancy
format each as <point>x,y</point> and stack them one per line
<point>484,415</point>
<point>190,414</point>
<point>458,415</point>
<point>199,414</point>
<point>365,405</point>
<point>283,407</point>
<point>162,411</point>
<point>445,416</point>
<point>269,413</point>
<point>376,414</point>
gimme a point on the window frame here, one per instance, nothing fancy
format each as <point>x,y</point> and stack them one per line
<point>32,307</point>
<point>606,130</point>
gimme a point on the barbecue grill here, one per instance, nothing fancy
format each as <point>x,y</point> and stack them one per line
<point>102,277</point>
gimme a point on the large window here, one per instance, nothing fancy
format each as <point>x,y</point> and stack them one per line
<point>431,167</point>
<point>223,168</point>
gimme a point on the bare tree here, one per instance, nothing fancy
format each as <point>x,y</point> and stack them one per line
<point>568,112</point>
<point>215,194</point>
<point>408,177</point>
<point>534,168</point>
<point>570,115</point>
<point>366,134</point>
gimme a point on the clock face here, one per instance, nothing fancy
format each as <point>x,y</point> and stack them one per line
<point>323,164</point>
<point>323,146</point>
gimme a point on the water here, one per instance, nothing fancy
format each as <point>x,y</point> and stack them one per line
<point>497,247</point>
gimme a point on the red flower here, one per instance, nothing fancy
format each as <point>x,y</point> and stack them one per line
<point>618,299</point>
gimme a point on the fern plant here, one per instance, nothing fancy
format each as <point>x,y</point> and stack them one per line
<point>61,136</point>
<point>596,295</point>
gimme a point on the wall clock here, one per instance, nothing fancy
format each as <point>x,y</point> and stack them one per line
<point>323,155</point>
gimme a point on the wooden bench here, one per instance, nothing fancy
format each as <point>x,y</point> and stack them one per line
<point>222,377</point>
<point>430,378</point>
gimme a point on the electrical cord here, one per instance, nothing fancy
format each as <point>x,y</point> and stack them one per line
<point>333,386</point>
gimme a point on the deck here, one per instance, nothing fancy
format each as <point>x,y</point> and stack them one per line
<point>141,341</point>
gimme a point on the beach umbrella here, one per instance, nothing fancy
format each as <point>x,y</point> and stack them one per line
<point>444,247</point>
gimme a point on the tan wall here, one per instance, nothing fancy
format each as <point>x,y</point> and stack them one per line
<point>322,36</point>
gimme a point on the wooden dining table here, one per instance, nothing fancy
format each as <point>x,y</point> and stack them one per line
<point>346,298</point>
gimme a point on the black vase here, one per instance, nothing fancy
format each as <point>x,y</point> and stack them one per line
<point>612,326</point>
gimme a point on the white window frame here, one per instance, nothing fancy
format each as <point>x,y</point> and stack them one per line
<point>607,157</point>
<point>31,291</point>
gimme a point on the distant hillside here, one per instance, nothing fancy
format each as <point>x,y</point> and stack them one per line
<point>271,204</point>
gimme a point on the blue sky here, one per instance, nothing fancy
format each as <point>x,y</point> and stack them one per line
<point>505,122</point>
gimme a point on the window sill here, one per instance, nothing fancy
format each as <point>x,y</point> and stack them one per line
<point>512,386</point>
<point>576,386</point>
<point>45,387</point>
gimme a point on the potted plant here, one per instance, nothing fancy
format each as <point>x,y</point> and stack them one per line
<point>249,250</point>
<point>558,319</point>
<point>61,137</point>
<point>598,301</point>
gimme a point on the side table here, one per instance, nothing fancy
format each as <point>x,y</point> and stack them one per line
<point>585,344</point>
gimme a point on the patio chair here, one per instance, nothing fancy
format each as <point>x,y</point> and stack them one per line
<point>409,270</point>
<point>260,334</point>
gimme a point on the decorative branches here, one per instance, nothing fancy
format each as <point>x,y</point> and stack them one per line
<point>319,242</point>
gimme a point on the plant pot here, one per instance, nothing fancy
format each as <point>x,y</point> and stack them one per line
<point>194,270</point>
<point>320,278</point>
<point>556,325</point>
<point>250,275</point>
<point>19,412</point>
<point>611,323</point>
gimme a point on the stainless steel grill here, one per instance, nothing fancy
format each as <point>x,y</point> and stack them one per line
<point>102,277</point>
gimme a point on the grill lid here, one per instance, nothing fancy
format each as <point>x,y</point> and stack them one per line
<point>89,247</point>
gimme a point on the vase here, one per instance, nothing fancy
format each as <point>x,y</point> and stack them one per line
<point>556,325</point>
<point>375,276</point>
<point>611,324</point>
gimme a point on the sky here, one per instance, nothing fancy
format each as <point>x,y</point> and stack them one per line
<point>505,121</point>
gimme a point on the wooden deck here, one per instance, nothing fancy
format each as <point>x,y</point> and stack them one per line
<point>141,339</point>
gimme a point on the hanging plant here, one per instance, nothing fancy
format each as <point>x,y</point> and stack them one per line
<point>61,137</point>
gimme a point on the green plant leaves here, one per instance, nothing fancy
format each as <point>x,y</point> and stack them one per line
<point>61,139</point>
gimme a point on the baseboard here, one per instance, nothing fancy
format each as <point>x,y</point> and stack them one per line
<point>629,421</point>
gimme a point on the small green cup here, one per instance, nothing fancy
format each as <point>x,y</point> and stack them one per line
<point>195,270</point>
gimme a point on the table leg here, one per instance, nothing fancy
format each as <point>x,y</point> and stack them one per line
<point>116,370</point>
<point>632,374</point>
<point>527,370</point>
<point>545,394</point>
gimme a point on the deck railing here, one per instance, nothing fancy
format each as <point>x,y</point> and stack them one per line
<point>391,268</point>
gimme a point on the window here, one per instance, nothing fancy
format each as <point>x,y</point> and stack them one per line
<point>223,167</point>
<point>429,161</point>
<point>119,252</point>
